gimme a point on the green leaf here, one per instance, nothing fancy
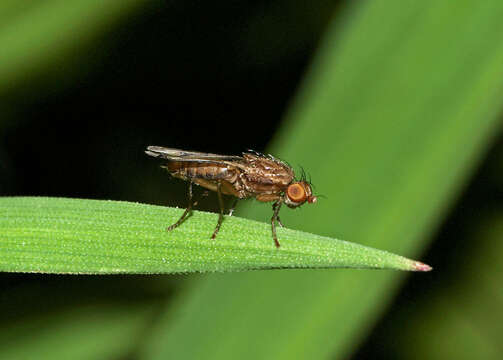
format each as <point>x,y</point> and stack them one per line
<point>74,236</point>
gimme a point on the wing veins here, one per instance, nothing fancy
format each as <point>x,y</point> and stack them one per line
<point>189,156</point>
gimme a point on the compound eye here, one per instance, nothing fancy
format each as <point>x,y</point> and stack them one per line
<point>296,193</point>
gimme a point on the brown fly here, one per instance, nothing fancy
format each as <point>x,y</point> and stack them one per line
<point>252,175</point>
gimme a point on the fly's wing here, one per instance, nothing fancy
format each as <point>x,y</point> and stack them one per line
<point>190,156</point>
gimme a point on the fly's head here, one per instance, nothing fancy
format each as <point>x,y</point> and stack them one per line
<point>297,193</point>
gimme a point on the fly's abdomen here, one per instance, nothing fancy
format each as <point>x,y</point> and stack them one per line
<point>208,171</point>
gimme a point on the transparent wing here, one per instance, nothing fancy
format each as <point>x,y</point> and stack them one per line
<point>185,155</point>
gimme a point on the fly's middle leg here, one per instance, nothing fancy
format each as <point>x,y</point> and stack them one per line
<point>186,212</point>
<point>221,214</point>
<point>234,203</point>
<point>275,216</point>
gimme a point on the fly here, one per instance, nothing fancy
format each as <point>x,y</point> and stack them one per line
<point>252,175</point>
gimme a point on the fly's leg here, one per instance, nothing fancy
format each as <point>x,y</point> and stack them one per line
<point>186,212</point>
<point>277,217</point>
<point>276,206</point>
<point>221,215</point>
<point>231,210</point>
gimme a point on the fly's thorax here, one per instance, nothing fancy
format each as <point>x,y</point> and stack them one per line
<point>265,175</point>
<point>297,193</point>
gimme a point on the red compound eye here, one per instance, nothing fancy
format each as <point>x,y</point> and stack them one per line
<point>296,193</point>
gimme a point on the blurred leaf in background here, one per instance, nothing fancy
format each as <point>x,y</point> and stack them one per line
<point>88,332</point>
<point>454,314</point>
<point>390,122</point>
<point>399,106</point>
<point>462,319</point>
<point>40,37</point>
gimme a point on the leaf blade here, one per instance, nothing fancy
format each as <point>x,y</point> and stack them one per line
<point>76,236</point>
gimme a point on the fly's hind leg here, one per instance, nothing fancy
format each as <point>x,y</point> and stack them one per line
<point>275,216</point>
<point>186,212</point>
<point>221,214</point>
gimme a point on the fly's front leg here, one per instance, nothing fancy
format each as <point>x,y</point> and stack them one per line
<point>277,217</point>
<point>276,206</point>
<point>186,212</point>
<point>221,215</point>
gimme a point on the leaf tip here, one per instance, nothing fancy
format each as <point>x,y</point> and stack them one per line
<point>419,266</point>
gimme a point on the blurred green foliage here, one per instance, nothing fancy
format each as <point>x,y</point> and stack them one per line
<point>390,130</point>
<point>468,305</point>
<point>87,332</point>
<point>397,110</point>
<point>39,37</point>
